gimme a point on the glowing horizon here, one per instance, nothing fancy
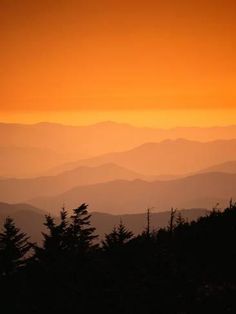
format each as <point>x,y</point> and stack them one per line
<point>157,119</point>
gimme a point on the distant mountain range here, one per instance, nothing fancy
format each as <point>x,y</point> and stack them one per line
<point>226,167</point>
<point>21,190</point>
<point>18,190</point>
<point>175,157</point>
<point>31,219</point>
<point>129,168</point>
<point>27,161</point>
<point>121,196</point>
<point>30,150</point>
<point>9,209</point>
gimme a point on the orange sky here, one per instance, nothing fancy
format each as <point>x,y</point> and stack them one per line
<point>117,56</point>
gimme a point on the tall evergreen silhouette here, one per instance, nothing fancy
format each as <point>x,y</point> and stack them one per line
<point>117,238</point>
<point>14,245</point>
<point>80,235</point>
<point>54,240</point>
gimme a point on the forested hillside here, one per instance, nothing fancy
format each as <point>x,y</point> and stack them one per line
<point>183,268</point>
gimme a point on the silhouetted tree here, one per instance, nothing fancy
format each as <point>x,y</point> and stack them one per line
<point>111,239</point>
<point>124,235</point>
<point>14,246</point>
<point>117,238</point>
<point>54,241</point>
<point>172,220</point>
<point>179,219</point>
<point>79,234</point>
<point>147,231</point>
<point>148,234</point>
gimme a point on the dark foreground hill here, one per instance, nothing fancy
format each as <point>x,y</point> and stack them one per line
<point>186,268</point>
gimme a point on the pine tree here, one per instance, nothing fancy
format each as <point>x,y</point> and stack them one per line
<point>124,235</point>
<point>54,242</point>
<point>111,239</point>
<point>147,233</point>
<point>180,221</point>
<point>117,238</point>
<point>14,246</point>
<point>80,235</point>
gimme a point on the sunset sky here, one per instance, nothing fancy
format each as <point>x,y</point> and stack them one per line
<point>162,63</point>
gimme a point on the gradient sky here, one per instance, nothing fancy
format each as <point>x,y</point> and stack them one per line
<point>103,59</point>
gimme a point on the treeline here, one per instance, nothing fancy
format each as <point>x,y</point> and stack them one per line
<point>187,267</point>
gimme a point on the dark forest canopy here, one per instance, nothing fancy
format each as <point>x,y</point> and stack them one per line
<point>183,268</point>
